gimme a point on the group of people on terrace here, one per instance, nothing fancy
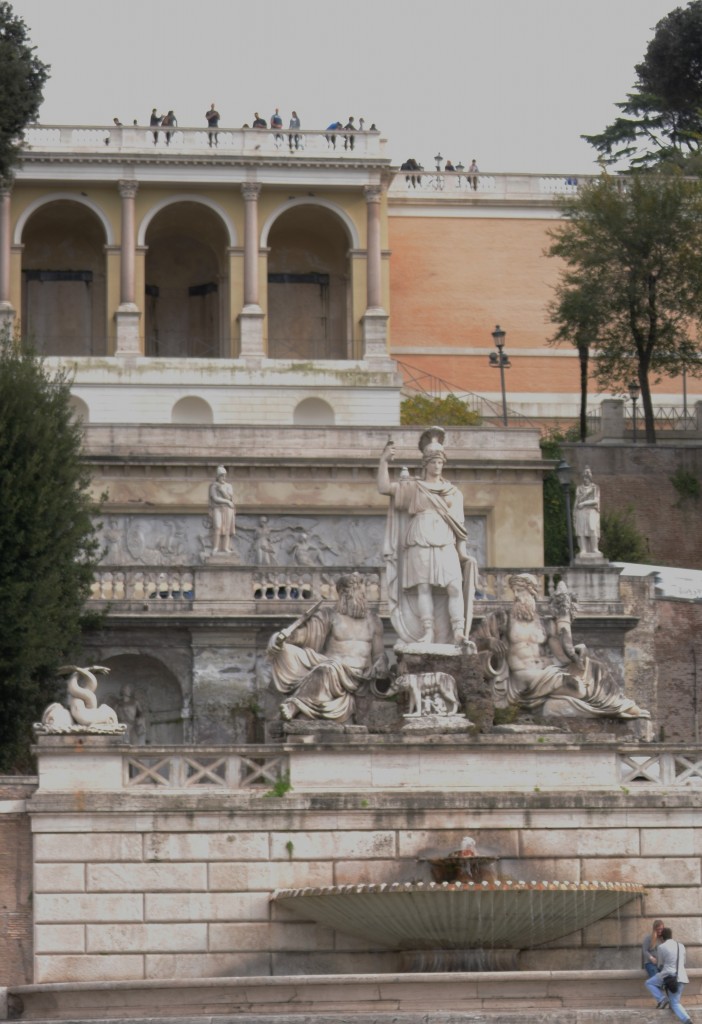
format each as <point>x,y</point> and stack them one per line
<point>414,169</point>
<point>274,123</point>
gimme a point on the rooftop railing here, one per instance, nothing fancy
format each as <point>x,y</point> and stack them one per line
<point>249,142</point>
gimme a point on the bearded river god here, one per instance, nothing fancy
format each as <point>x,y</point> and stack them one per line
<point>533,664</point>
<point>330,654</point>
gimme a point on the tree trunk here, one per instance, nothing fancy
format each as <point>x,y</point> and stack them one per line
<point>583,355</point>
<point>647,405</point>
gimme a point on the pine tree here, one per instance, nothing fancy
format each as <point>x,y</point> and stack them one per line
<point>22,78</point>
<point>48,544</point>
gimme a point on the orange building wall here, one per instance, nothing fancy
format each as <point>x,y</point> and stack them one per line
<point>453,279</point>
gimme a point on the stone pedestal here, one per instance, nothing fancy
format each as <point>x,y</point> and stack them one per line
<point>475,698</point>
<point>375,335</point>
<point>127,320</point>
<point>251,334</point>
<point>590,558</point>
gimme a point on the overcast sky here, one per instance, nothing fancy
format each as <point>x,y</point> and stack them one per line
<point>512,83</point>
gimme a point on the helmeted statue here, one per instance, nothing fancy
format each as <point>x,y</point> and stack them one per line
<point>430,575</point>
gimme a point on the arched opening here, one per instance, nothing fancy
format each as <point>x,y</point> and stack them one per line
<point>191,410</point>
<point>64,280</point>
<point>308,281</point>
<point>186,299</point>
<point>313,412</point>
<point>80,409</point>
<point>155,688</point>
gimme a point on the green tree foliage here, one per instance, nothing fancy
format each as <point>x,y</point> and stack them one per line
<point>631,283</point>
<point>661,118</point>
<point>555,522</point>
<point>621,540</point>
<point>22,78</point>
<point>423,411</point>
<point>48,545</point>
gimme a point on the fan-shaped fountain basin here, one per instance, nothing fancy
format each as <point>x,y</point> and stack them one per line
<point>486,916</point>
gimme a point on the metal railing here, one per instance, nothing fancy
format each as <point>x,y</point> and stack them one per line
<point>416,381</point>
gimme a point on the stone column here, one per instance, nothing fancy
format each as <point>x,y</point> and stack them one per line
<point>375,319</point>
<point>128,314</point>
<point>251,316</point>
<point>7,311</point>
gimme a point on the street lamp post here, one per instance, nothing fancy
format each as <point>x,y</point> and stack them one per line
<point>501,359</point>
<point>634,392</point>
<point>437,159</point>
<point>563,474</point>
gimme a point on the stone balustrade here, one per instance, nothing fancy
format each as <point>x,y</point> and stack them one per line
<point>251,142</point>
<point>381,762</point>
<point>250,589</point>
<point>487,187</point>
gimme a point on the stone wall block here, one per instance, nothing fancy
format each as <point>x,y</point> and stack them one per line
<point>665,903</point>
<point>220,906</point>
<point>206,965</point>
<point>112,938</point>
<point>206,846</point>
<point>667,842</point>
<point>357,872</point>
<point>59,878</point>
<point>678,871</point>
<point>580,842</point>
<point>88,907</point>
<point>88,847</point>
<point>290,874</point>
<point>59,938</point>
<point>549,869</point>
<point>181,877</point>
<point>120,967</point>
<point>279,935</point>
<point>326,845</point>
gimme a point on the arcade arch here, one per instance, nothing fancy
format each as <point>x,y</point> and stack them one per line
<point>64,279</point>
<point>309,278</point>
<point>186,305</point>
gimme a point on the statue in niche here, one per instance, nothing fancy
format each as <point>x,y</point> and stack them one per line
<point>129,711</point>
<point>327,655</point>
<point>586,515</point>
<point>430,575</point>
<point>222,513</point>
<point>534,665</point>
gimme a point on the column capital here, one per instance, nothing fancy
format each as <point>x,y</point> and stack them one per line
<point>5,188</point>
<point>373,193</point>
<point>250,190</point>
<point>128,188</point>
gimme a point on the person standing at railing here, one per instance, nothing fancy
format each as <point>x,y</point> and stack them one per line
<point>277,123</point>
<point>154,121</point>
<point>334,127</point>
<point>294,126</point>
<point>258,121</point>
<point>349,140</point>
<point>473,174</point>
<point>212,118</point>
<point>411,165</point>
<point>169,121</point>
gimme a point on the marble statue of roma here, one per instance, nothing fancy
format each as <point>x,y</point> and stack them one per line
<point>534,664</point>
<point>222,512</point>
<point>327,655</point>
<point>586,515</point>
<point>430,575</point>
